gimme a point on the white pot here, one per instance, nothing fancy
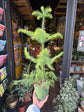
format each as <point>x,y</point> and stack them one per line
<point>83,68</point>
<point>77,68</point>
<point>71,69</point>
<point>82,94</point>
<point>76,76</point>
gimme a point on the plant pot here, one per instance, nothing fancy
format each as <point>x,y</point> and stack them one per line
<point>76,76</point>
<point>41,91</point>
<point>11,101</point>
<point>77,68</point>
<point>21,107</point>
<point>27,98</point>
<point>71,69</point>
<point>82,105</point>
<point>82,94</point>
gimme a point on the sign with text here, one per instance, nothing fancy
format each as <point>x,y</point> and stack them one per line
<point>81,41</point>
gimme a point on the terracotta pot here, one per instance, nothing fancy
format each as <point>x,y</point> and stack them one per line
<point>27,98</point>
<point>22,107</point>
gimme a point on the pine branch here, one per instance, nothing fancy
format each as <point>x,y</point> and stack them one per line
<point>28,33</point>
<point>59,55</point>
<point>44,14</point>
<point>28,56</point>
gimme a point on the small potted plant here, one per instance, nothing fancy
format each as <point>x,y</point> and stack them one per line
<point>41,77</point>
<point>68,97</point>
<point>20,91</point>
<point>12,98</point>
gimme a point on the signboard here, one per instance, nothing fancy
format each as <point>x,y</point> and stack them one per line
<point>81,41</point>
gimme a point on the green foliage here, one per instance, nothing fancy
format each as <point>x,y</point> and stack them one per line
<point>10,88</point>
<point>68,98</point>
<point>40,35</point>
<point>83,87</point>
<point>82,99</point>
<point>22,87</point>
<point>44,59</point>
<point>46,13</point>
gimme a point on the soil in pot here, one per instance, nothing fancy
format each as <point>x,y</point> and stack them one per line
<point>21,106</point>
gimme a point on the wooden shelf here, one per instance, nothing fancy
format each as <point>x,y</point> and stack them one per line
<point>77,61</point>
<point>77,72</point>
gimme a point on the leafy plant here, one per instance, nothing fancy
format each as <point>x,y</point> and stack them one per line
<point>68,98</point>
<point>10,88</point>
<point>22,89</point>
<point>42,76</point>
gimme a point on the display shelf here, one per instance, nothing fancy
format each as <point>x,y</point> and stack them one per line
<point>79,72</point>
<point>77,61</point>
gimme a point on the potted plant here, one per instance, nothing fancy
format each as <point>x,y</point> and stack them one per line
<point>41,77</point>
<point>12,98</point>
<point>68,97</point>
<point>20,91</point>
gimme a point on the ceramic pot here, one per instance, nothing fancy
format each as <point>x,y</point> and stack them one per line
<point>71,69</point>
<point>82,94</point>
<point>11,101</point>
<point>76,76</point>
<point>78,68</point>
<point>83,68</point>
<point>82,105</point>
<point>27,98</point>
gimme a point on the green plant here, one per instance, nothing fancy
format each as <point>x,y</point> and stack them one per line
<point>68,98</point>
<point>83,87</point>
<point>82,99</point>
<point>41,75</point>
<point>10,88</point>
<point>23,87</point>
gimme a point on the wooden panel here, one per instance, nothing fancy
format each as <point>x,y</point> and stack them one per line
<point>60,13</point>
<point>62,5</point>
<point>59,6</point>
<point>27,17</point>
<point>19,3</point>
<point>25,10</point>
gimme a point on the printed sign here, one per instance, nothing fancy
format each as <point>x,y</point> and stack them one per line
<point>2,44</point>
<point>3,73</point>
<point>2,28</point>
<point>1,90</point>
<point>81,41</point>
<point>1,13</point>
<point>2,59</point>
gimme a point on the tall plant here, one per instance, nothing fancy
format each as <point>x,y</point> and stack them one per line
<point>41,74</point>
